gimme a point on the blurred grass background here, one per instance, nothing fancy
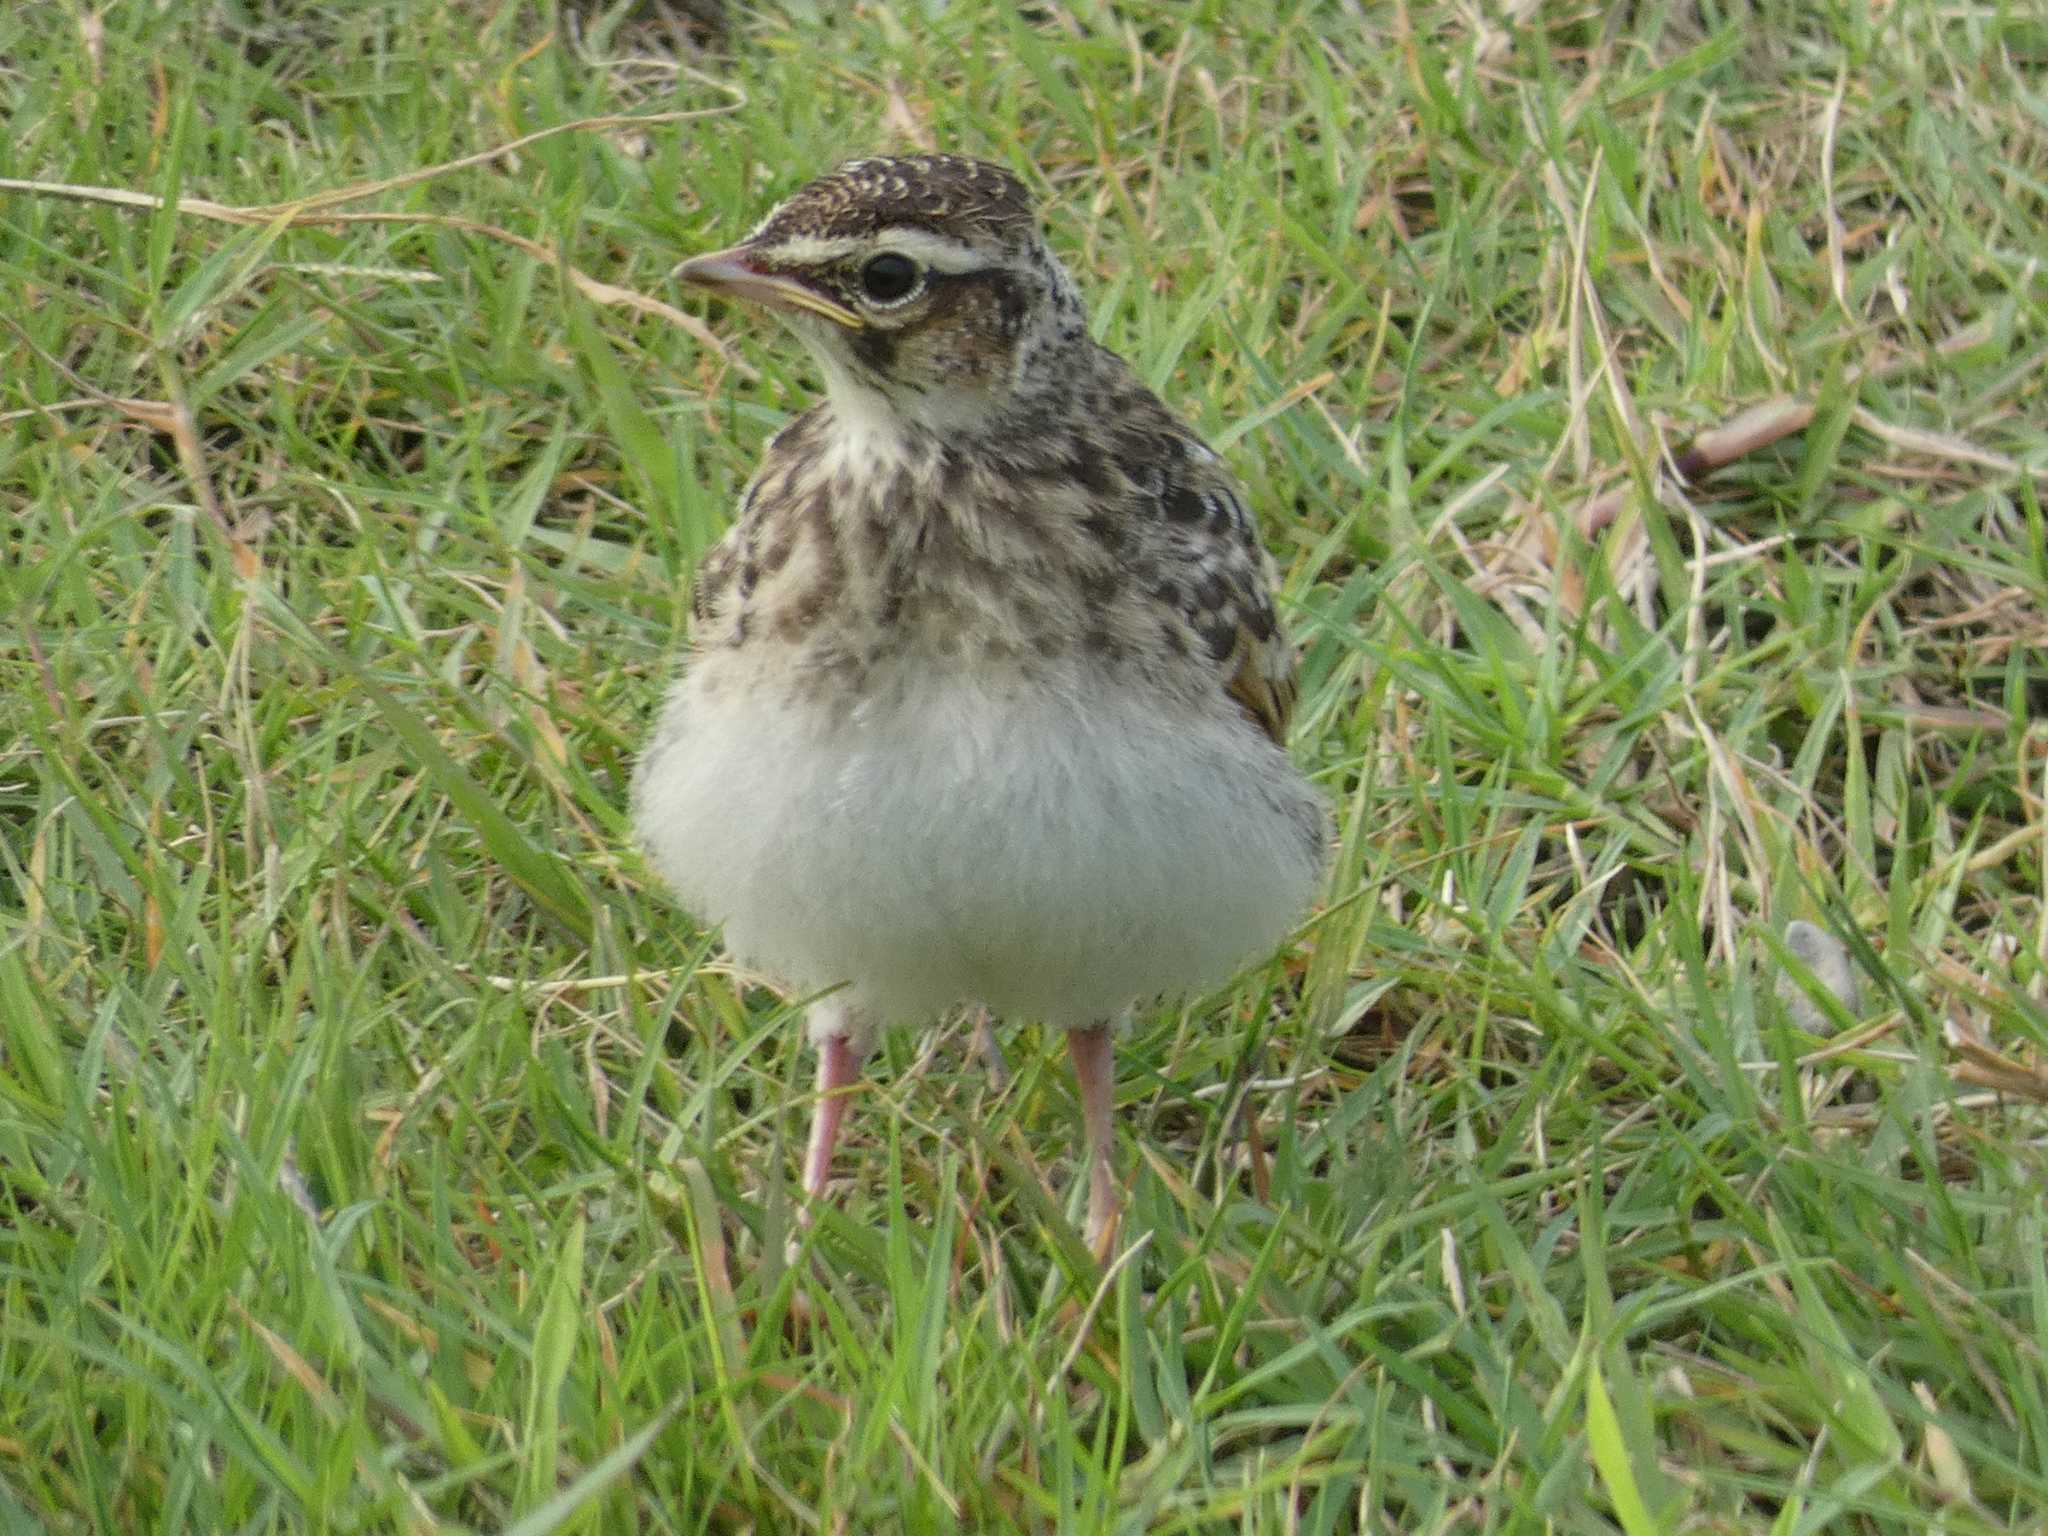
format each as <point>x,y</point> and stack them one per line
<point>381,1150</point>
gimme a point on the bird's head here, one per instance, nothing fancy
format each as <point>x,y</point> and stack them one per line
<point>919,282</point>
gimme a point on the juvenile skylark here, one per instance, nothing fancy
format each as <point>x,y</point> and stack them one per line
<point>987,699</point>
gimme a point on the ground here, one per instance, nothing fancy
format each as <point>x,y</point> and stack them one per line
<point>1645,405</point>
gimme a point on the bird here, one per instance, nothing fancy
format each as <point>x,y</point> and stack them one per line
<point>986,701</point>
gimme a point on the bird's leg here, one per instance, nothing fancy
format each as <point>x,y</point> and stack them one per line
<point>1093,1050</point>
<point>991,1048</point>
<point>842,1042</point>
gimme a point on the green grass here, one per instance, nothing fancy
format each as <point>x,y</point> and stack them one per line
<point>381,1150</point>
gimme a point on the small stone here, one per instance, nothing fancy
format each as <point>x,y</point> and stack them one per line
<point>1827,957</point>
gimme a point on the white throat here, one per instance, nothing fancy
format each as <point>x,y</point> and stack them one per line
<point>880,422</point>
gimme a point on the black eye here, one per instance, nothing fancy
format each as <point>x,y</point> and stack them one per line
<point>889,277</point>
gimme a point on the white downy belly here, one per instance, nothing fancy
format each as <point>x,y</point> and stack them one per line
<point>1054,856</point>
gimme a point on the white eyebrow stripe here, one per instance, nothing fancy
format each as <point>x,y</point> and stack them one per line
<point>935,253</point>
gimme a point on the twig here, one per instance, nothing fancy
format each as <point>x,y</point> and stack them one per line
<point>1761,425</point>
<point>1746,432</point>
<point>1743,434</point>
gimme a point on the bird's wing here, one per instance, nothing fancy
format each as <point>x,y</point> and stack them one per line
<point>1262,680</point>
<point>1222,580</point>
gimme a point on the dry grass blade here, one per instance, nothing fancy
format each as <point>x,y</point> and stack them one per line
<point>319,209</point>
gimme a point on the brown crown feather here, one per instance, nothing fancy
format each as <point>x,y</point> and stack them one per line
<point>934,192</point>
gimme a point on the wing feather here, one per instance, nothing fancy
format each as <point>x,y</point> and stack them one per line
<point>1222,579</point>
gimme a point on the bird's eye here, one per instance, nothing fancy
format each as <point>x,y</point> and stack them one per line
<point>889,278</point>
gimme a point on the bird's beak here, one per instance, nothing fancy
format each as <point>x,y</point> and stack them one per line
<point>734,272</point>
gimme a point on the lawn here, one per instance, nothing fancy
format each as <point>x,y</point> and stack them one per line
<point>1647,407</point>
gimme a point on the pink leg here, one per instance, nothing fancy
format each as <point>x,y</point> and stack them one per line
<point>1093,1051</point>
<point>991,1049</point>
<point>838,1067</point>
